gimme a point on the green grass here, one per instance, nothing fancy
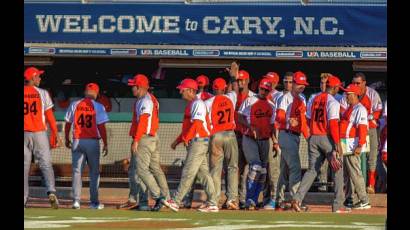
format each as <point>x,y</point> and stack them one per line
<point>121,219</point>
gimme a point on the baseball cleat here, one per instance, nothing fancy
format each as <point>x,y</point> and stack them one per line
<point>209,208</point>
<point>370,189</point>
<point>296,206</point>
<point>250,205</point>
<point>127,205</point>
<point>52,198</point>
<point>143,207</point>
<point>348,203</point>
<point>76,205</point>
<point>270,205</point>
<point>343,210</point>
<point>97,206</point>
<point>158,204</point>
<point>362,205</point>
<point>242,205</point>
<point>172,205</point>
<point>232,205</point>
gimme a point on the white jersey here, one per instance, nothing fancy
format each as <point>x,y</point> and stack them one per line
<point>285,103</point>
<point>145,105</point>
<point>385,109</point>
<point>374,98</point>
<point>198,112</point>
<point>357,117</point>
<point>234,97</point>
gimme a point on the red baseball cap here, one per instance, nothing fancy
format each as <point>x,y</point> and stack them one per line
<point>202,80</point>
<point>188,83</point>
<point>219,84</point>
<point>139,80</point>
<point>352,89</point>
<point>266,83</point>
<point>333,81</point>
<point>300,78</point>
<point>243,75</point>
<point>92,86</point>
<point>274,77</point>
<point>31,72</point>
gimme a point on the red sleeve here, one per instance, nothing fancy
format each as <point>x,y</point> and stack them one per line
<point>192,131</point>
<point>51,121</point>
<point>362,129</point>
<point>377,114</point>
<point>334,130</point>
<point>67,129</point>
<point>142,127</point>
<point>103,132</point>
<point>280,119</point>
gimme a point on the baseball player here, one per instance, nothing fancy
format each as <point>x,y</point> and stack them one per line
<point>203,94</point>
<point>223,146</point>
<point>145,142</point>
<point>195,136</point>
<point>323,174</point>
<point>87,118</point>
<point>269,193</point>
<point>370,99</point>
<point>382,161</point>
<point>291,122</point>
<point>239,89</point>
<point>323,113</point>
<point>203,83</point>
<point>37,111</point>
<point>354,125</point>
<point>257,114</point>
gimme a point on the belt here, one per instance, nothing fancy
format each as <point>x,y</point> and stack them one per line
<point>206,139</point>
<point>258,139</point>
<point>292,132</point>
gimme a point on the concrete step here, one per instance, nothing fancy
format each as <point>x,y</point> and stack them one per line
<point>119,195</point>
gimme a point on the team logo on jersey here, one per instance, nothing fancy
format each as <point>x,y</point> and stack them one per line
<point>259,113</point>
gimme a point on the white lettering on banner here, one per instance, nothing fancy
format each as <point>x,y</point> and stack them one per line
<point>72,24</point>
<point>338,54</point>
<point>323,22</point>
<point>205,25</point>
<point>231,23</point>
<point>52,21</point>
<point>171,24</point>
<point>272,25</point>
<point>301,23</point>
<point>153,25</point>
<point>101,22</point>
<point>256,24</point>
<point>131,24</point>
<point>86,25</point>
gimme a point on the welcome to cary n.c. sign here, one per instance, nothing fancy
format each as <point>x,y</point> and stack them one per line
<point>268,25</point>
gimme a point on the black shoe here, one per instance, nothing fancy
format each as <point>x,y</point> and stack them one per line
<point>348,203</point>
<point>242,205</point>
<point>362,205</point>
<point>158,204</point>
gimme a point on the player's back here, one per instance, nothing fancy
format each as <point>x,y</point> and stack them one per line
<point>36,102</point>
<point>221,113</point>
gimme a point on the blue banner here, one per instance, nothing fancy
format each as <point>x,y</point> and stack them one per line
<point>180,24</point>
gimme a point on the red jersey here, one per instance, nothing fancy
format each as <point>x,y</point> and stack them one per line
<point>292,107</point>
<point>260,113</point>
<point>85,114</point>
<point>146,105</point>
<point>221,111</point>
<point>239,98</point>
<point>36,102</point>
<point>322,108</point>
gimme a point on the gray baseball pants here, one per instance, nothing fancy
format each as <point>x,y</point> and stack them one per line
<point>243,169</point>
<point>290,168</point>
<point>354,172</point>
<point>149,169</point>
<point>196,165</point>
<point>86,151</point>
<point>37,144</point>
<point>138,190</point>
<point>273,175</point>
<point>319,148</point>
<point>372,155</point>
<point>224,154</point>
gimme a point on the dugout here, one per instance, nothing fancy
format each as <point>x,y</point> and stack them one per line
<point>137,37</point>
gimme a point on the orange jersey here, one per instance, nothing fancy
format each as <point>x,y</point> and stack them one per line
<point>239,100</point>
<point>195,110</point>
<point>146,105</point>
<point>322,108</point>
<point>36,102</point>
<point>221,111</point>
<point>260,113</point>
<point>85,114</point>
<point>351,119</point>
